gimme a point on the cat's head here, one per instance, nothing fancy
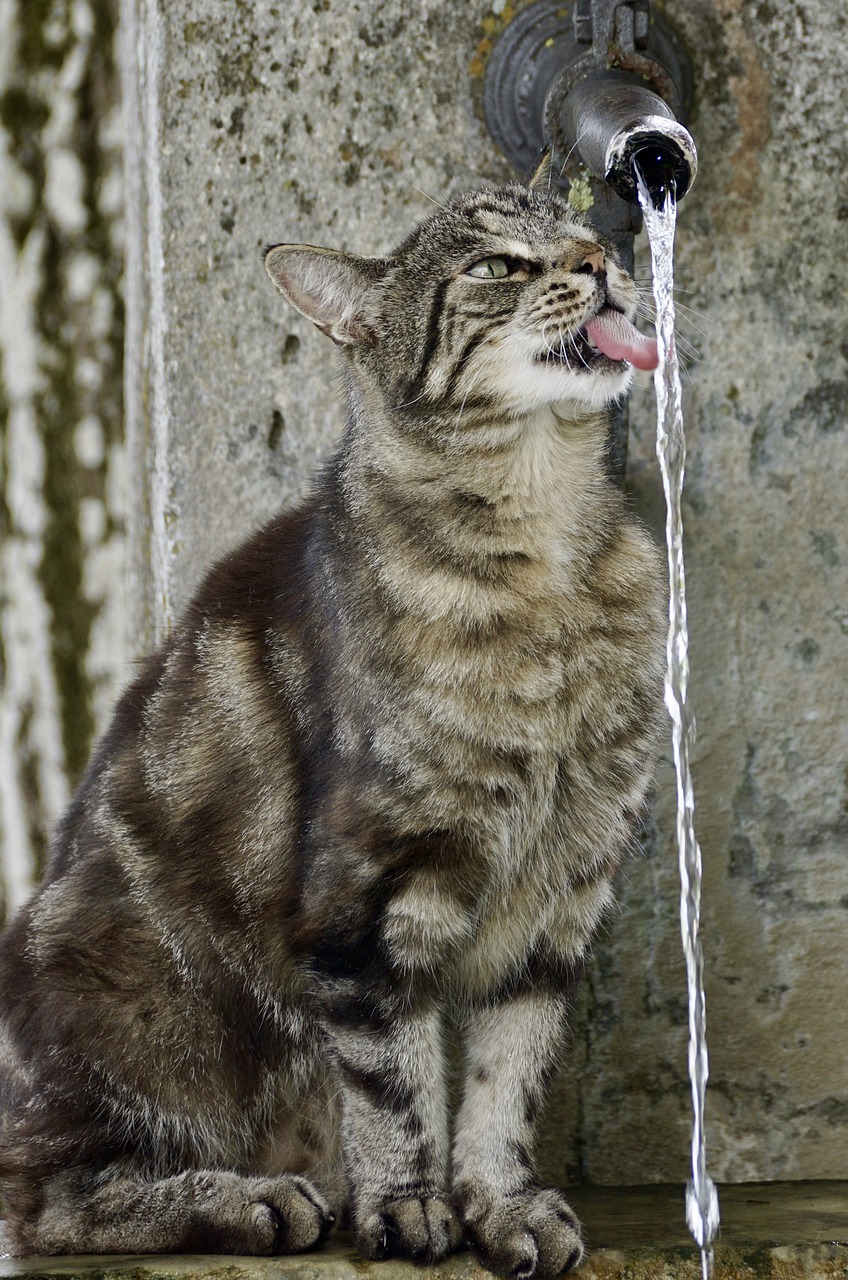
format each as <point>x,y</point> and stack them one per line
<point>498,303</point>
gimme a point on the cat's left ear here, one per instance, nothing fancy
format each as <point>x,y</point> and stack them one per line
<point>333,290</point>
<point>540,179</point>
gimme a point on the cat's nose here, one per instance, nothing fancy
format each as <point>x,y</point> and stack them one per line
<point>593,264</point>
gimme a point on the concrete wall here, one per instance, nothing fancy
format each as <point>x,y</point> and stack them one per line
<point>327,122</point>
<point>763,263</point>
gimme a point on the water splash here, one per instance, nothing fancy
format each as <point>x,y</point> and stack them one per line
<point>702,1211</point>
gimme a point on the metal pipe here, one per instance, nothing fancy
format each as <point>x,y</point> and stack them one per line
<point>597,83</point>
<point>616,122</point>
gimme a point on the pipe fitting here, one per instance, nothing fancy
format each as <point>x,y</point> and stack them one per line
<point>624,96</point>
<point>616,122</point>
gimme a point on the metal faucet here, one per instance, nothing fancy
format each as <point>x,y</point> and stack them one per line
<point>604,85</point>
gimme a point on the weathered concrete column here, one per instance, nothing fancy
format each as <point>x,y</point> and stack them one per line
<point>61,452</point>
<point>326,123</point>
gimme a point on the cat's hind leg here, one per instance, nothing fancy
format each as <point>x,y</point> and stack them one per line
<point>207,1211</point>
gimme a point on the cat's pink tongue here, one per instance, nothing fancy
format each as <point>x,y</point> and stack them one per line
<point>613,334</point>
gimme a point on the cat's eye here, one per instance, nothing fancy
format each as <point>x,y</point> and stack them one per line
<point>489,269</point>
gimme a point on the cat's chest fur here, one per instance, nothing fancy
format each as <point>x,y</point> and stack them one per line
<point>496,688</point>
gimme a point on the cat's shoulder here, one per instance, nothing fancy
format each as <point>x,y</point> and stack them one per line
<point>262,576</point>
<point>629,565</point>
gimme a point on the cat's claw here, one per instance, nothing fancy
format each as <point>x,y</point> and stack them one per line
<point>531,1236</point>
<point>424,1229</point>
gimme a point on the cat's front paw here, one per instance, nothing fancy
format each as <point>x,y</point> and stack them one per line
<point>423,1228</point>
<point>283,1215</point>
<point>529,1235</point>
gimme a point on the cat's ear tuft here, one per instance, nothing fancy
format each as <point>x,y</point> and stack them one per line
<point>333,290</point>
<point>540,179</point>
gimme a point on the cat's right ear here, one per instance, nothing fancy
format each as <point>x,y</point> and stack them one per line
<point>333,290</point>
<point>540,179</point>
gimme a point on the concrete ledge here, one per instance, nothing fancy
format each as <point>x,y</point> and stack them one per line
<point>337,1261</point>
<point>773,1231</point>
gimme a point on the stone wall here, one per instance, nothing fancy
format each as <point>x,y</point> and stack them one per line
<point>762,262</point>
<point>337,123</point>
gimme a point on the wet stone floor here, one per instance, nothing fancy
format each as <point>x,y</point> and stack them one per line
<point>770,1231</point>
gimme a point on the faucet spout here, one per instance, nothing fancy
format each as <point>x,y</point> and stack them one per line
<point>617,124</point>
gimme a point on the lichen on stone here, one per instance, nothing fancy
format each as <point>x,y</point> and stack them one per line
<point>580,195</point>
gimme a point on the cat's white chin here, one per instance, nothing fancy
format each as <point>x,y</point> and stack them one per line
<point>594,387</point>
<point>525,379</point>
<point>531,386</point>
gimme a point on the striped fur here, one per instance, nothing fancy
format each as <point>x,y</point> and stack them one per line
<point>380,776</point>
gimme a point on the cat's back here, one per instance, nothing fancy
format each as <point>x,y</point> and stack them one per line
<point>179,840</point>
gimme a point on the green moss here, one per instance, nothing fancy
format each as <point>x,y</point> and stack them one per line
<point>5,517</point>
<point>825,546</point>
<point>194,31</point>
<point>235,72</point>
<point>23,116</point>
<point>28,774</point>
<point>61,569</point>
<point>580,195</point>
<point>101,83</point>
<point>275,435</point>
<point>21,113</point>
<point>35,52</point>
<point>5,514</point>
<point>291,346</point>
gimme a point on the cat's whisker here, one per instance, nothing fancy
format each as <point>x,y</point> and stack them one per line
<point>686,347</point>
<point>685,313</point>
<point>439,203</point>
<point>646,295</point>
<point>396,408</point>
<point>550,351</point>
<point>563,349</point>
<point>646,289</point>
<point>572,151</point>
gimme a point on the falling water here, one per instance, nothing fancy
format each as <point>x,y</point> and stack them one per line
<point>702,1213</point>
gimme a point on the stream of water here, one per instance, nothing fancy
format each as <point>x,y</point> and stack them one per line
<point>702,1211</point>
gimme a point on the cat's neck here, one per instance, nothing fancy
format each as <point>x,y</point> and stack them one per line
<point>506,494</point>
<point>549,464</point>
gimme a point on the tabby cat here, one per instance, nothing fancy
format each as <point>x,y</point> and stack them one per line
<point>380,776</point>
